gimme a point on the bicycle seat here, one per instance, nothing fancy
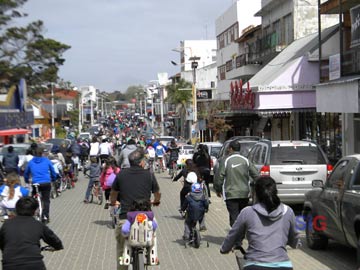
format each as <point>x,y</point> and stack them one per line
<point>36,184</point>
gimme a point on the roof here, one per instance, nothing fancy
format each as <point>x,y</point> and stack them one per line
<point>290,69</point>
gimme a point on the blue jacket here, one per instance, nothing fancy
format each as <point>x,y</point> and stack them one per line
<point>41,170</point>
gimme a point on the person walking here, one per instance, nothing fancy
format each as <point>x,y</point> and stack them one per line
<point>42,172</point>
<point>269,226</point>
<point>132,184</point>
<point>233,183</point>
<point>11,160</point>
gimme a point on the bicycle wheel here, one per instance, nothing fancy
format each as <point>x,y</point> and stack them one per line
<point>53,193</point>
<point>197,239</point>
<point>68,182</point>
<point>91,196</point>
<point>138,261</point>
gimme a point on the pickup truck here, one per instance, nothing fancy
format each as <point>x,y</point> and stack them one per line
<point>332,209</point>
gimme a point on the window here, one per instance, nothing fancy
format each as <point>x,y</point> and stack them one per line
<point>229,66</point>
<point>296,155</point>
<point>336,179</point>
<point>288,29</point>
<point>356,177</point>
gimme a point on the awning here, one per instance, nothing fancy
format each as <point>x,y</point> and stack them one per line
<point>14,131</point>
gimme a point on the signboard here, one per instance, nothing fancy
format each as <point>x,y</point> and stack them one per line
<point>204,94</point>
<point>355,26</point>
<point>334,67</point>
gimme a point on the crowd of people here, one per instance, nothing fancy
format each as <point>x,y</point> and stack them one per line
<point>120,159</point>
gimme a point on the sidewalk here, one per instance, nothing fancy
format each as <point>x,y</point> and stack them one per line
<point>89,239</point>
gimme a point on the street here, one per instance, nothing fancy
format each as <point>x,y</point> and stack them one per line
<point>89,240</point>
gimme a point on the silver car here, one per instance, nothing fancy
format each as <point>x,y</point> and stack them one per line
<point>292,164</point>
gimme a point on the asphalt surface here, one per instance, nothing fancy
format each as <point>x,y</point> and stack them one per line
<point>89,242</point>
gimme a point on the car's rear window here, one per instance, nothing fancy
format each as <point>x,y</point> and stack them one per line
<point>245,147</point>
<point>296,155</point>
<point>215,150</point>
<point>17,150</point>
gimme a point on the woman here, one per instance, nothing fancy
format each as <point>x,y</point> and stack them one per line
<point>202,160</point>
<point>269,226</point>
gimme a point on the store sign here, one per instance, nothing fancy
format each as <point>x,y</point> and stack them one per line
<point>334,67</point>
<point>355,26</point>
<point>241,99</point>
<point>204,94</point>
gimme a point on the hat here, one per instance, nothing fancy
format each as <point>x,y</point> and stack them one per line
<point>191,178</point>
<point>196,188</point>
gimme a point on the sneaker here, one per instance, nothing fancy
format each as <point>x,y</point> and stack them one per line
<point>203,229</point>
<point>45,220</point>
<point>106,205</point>
<point>86,201</point>
<point>186,238</point>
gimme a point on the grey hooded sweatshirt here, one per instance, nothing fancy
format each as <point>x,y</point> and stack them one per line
<point>124,155</point>
<point>267,233</point>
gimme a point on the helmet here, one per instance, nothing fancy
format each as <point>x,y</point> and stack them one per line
<point>191,178</point>
<point>196,188</point>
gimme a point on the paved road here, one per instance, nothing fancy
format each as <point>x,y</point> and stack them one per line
<point>89,240</point>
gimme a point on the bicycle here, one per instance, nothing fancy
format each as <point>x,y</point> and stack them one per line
<point>96,192</point>
<point>195,238</point>
<point>70,182</point>
<point>140,249</point>
<point>37,196</point>
<point>173,169</point>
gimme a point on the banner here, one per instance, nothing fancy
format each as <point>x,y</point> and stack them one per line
<point>355,26</point>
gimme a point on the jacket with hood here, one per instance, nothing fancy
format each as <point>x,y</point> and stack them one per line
<point>124,155</point>
<point>267,233</point>
<point>41,170</point>
<point>195,205</point>
<point>235,174</point>
<point>11,161</point>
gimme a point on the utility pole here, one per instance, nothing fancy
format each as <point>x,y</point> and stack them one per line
<point>162,109</point>
<point>52,112</point>
<point>194,64</point>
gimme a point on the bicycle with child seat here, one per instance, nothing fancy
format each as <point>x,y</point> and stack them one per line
<point>36,195</point>
<point>140,249</point>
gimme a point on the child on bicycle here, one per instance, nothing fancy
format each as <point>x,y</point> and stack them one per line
<point>11,191</point>
<point>195,205</point>
<point>20,238</point>
<point>95,171</point>
<point>108,171</point>
<point>139,212</point>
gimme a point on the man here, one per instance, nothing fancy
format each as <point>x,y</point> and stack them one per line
<point>233,181</point>
<point>132,184</point>
<point>11,160</point>
<point>42,172</point>
<point>124,154</point>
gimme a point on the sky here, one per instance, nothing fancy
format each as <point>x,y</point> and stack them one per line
<point>119,43</point>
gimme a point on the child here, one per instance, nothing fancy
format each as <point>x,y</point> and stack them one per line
<point>22,250</point>
<point>195,205</point>
<point>108,171</point>
<point>95,171</point>
<point>139,228</point>
<point>11,192</point>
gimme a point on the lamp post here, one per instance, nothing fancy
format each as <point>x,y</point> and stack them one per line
<point>194,64</point>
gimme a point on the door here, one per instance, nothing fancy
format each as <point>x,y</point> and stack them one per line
<point>330,200</point>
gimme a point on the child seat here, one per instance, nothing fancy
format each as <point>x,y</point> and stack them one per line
<point>141,236</point>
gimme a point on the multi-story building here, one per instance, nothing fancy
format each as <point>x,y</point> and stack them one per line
<point>339,88</point>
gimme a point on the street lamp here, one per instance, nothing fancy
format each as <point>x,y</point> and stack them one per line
<point>194,64</point>
<point>52,112</point>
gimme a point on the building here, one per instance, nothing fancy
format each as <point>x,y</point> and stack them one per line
<point>338,91</point>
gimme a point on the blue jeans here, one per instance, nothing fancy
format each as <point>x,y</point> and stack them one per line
<point>90,185</point>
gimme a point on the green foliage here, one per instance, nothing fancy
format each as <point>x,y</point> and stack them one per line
<point>133,90</point>
<point>177,96</point>
<point>24,52</point>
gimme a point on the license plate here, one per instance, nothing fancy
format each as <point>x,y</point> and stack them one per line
<point>298,178</point>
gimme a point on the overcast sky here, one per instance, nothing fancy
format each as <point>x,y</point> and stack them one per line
<point>118,43</point>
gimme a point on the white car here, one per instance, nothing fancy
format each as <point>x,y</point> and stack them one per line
<point>186,152</point>
<point>214,149</point>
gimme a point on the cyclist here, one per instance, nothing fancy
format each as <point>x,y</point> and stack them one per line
<point>105,150</point>
<point>20,238</point>
<point>124,154</point>
<point>95,171</point>
<point>173,151</point>
<point>150,152</point>
<point>42,172</point>
<point>160,151</point>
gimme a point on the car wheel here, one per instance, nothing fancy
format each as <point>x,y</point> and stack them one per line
<point>314,239</point>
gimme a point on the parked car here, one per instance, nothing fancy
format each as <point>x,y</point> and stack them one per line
<point>186,152</point>
<point>85,136</point>
<point>246,143</point>
<point>332,208</point>
<point>19,148</point>
<point>59,141</point>
<point>292,164</point>
<point>214,150</point>
<point>165,140</point>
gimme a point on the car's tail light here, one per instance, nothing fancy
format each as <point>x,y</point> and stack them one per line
<point>265,170</point>
<point>329,169</point>
<point>211,163</point>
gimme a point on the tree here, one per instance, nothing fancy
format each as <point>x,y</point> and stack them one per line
<point>24,52</point>
<point>217,125</point>
<point>133,91</point>
<point>181,98</point>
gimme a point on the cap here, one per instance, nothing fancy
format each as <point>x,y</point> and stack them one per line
<point>191,178</point>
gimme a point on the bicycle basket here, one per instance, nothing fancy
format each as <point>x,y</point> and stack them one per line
<point>141,232</point>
